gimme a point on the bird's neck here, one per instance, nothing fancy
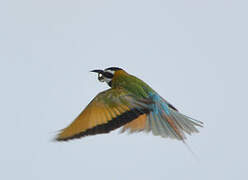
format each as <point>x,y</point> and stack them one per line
<point>131,83</point>
<point>119,78</point>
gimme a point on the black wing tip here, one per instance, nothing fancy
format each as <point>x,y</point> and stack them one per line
<point>57,139</point>
<point>76,136</point>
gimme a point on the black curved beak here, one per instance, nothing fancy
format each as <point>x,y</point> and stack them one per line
<point>97,71</point>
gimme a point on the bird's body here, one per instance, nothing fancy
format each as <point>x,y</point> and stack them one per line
<point>130,103</point>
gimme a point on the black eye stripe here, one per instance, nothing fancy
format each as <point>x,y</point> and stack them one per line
<point>108,75</point>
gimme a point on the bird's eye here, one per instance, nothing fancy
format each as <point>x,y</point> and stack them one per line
<point>100,77</point>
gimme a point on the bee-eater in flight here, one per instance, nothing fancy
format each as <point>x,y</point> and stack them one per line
<point>131,104</point>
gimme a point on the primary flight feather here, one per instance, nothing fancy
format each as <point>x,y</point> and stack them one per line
<point>130,103</point>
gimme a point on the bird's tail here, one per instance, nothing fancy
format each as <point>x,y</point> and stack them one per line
<point>166,121</point>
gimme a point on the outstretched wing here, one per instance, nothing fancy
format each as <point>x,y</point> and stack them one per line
<point>109,110</point>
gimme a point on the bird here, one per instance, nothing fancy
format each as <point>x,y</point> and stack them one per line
<point>133,106</point>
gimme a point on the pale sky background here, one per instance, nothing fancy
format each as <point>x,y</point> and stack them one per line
<point>194,53</point>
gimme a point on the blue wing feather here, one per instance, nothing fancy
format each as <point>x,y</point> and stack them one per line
<point>166,121</point>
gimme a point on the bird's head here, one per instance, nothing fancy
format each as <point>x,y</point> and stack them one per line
<point>106,75</point>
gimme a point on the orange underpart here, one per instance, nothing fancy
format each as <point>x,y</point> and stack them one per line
<point>137,124</point>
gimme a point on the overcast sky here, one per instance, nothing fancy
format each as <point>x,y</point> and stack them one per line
<point>193,53</point>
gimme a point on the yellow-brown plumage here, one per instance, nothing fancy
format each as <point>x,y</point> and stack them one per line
<point>98,114</point>
<point>130,103</point>
<point>136,125</point>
